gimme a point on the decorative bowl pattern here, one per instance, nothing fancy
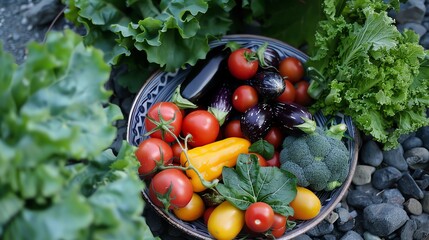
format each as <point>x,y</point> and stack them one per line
<point>160,87</point>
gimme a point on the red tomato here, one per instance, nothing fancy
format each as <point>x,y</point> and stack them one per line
<point>161,117</point>
<point>203,127</point>
<point>261,160</point>
<point>302,96</point>
<point>279,226</point>
<point>243,63</point>
<point>275,160</point>
<point>259,217</point>
<point>292,69</point>
<point>172,186</point>
<point>244,97</point>
<point>151,151</point>
<point>288,94</point>
<point>233,129</point>
<point>177,150</point>
<point>207,214</point>
<point>275,137</point>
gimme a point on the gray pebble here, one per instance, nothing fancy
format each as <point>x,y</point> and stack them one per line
<point>384,218</point>
<point>395,158</point>
<point>329,237</point>
<point>323,228</point>
<point>347,226</point>
<point>385,177</point>
<point>351,235</point>
<point>407,231</point>
<point>371,154</point>
<point>422,232</point>
<point>413,206</point>
<point>369,236</point>
<point>302,237</point>
<point>343,215</point>
<point>411,11</point>
<point>360,199</point>
<point>332,217</point>
<point>15,36</point>
<point>423,183</point>
<point>411,142</point>
<point>418,173</point>
<point>409,187</point>
<point>393,196</point>
<point>420,152</point>
<point>363,174</point>
<point>425,203</point>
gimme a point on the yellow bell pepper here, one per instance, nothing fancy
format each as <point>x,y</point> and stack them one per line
<point>209,159</point>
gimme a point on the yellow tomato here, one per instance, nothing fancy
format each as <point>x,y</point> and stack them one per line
<point>226,221</point>
<point>306,204</point>
<point>192,211</point>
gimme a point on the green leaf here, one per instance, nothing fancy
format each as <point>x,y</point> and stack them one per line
<point>249,183</point>
<point>66,219</point>
<point>263,147</point>
<point>10,204</point>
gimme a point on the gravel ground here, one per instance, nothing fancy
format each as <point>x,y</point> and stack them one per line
<point>389,196</point>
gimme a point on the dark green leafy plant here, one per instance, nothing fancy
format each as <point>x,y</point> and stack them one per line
<point>172,34</point>
<point>57,180</point>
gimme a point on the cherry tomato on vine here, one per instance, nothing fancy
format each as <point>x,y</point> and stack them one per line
<point>292,69</point>
<point>302,97</point>
<point>233,129</point>
<point>275,160</point>
<point>259,217</point>
<point>243,63</point>
<point>203,127</point>
<point>279,226</point>
<point>192,211</point>
<point>170,188</point>
<point>306,204</point>
<point>150,151</point>
<point>275,137</point>
<point>288,94</point>
<point>244,97</point>
<point>177,150</point>
<point>161,118</point>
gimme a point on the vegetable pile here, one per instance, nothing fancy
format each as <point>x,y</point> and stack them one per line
<point>57,179</point>
<point>220,139</point>
<point>375,74</point>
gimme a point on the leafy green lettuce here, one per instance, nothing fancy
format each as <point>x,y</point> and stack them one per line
<point>365,68</point>
<point>57,180</point>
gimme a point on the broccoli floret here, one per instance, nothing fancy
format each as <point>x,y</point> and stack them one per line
<point>319,160</point>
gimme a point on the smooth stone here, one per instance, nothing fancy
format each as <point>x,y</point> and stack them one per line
<point>412,142</point>
<point>411,11</point>
<point>302,237</point>
<point>393,196</point>
<point>420,152</point>
<point>418,173</point>
<point>425,203</point>
<point>363,174</point>
<point>332,217</point>
<point>407,231</point>
<point>395,158</point>
<point>423,184</point>
<point>43,12</point>
<point>371,154</point>
<point>385,177</point>
<point>329,237</point>
<point>409,187</point>
<point>423,132</point>
<point>384,218</point>
<point>360,199</point>
<point>369,236</point>
<point>351,235</point>
<point>347,226</point>
<point>343,215</point>
<point>422,232</point>
<point>413,206</point>
<point>323,228</point>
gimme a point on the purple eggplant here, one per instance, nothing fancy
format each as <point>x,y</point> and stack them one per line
<point>221,104</point>
<point>268,84</point>
<point>256,121</point>
<point>293,118</point>
<point>269,59</point>
<point>203,78</point>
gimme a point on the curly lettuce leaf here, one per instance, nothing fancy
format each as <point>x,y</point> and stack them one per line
<point>372,72</point>
<point>57,181</point>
